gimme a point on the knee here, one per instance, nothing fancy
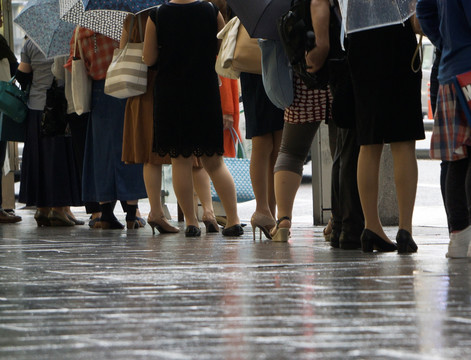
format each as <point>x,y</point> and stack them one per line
<point>289,162</point>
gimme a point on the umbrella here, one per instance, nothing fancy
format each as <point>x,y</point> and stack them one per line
<point>106,22</point>
<point>260,17</point>
<point>361,15</point>
<point>39,19</point>
<point>129,6</point>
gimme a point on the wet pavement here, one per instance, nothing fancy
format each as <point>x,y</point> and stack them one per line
<point>77,293</point>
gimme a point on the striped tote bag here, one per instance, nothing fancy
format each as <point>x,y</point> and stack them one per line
<point>127,73</point>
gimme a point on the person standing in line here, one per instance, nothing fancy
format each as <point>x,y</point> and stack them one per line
<point>302,120</point>
<point>138,134</point>
<point>181,40</point>
<point>49,178</point>
<point>8,65</point>
<point>448,26</point>
<point>382,75</point>
<point>105,177</point>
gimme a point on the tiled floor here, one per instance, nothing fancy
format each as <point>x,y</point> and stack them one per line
<point>76,293</point>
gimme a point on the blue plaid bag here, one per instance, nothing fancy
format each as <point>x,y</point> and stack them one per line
<point>239,167</point>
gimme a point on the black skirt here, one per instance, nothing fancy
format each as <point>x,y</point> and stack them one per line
<point>386,90</point>
<point>49,174</point>
<point>261,116</point>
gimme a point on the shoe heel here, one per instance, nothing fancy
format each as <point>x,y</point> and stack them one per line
<point>282,235</point>
<point>211,227</point>
<point>367,245</point>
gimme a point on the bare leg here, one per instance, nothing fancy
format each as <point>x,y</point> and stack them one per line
<point>405,176</point>
<point>183,187</point>
<point>271,176</point>
<point>201,183</point>
<point>369,161</point>
<point>224,185</point>
<point>260,167</point>
<point>286,187</point>
<point>153,181</point>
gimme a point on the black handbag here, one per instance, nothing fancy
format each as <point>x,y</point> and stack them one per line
<point>54,118</point>
<point>297,36</point>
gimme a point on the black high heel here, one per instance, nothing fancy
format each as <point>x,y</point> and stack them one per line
<point>192,231</point>
<point>405,242</point>
<point>211,225</point>
<point>371,241</point>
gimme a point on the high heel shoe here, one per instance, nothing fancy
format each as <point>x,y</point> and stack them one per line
<point>281,234</point>
<point>211,225</point>
<point>405,242</point>
<point>59,219</point>
<point>371,241</point>
<point>192,231</point>
<point>41,219</point>
<point>74,220</point>
<point>162,225</point>
<point>264,223</point>
<point>234,230</point>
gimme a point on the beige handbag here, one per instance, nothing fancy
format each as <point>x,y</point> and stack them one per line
<point>228,35</point>
<point>247,53</point>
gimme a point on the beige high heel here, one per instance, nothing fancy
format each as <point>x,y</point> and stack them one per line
<point>264,223</point>
<point>281,234</point>
<point>162,225</point>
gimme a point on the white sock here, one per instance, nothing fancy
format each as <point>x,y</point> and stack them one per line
<point>459,244</point>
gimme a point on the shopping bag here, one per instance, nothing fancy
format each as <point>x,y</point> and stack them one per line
<point>81,83</point>
<point>127,73</point>
<point>239,167</point>
<point>13,101</point>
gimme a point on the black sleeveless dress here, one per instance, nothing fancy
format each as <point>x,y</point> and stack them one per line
<point>187,106</point>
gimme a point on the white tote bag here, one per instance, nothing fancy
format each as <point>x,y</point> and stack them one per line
<point>81,82</point>
<point>127,73</point>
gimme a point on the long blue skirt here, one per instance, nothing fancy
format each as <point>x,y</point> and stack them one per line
<point>105,176</point>
<point>49,174</point>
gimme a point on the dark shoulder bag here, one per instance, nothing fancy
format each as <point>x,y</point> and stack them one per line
<point>54,118</point>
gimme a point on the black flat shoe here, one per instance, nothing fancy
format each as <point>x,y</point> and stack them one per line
<point>235,230</point>
<point>371,241</point>
<point>192,231</point>
<point>405,243</point>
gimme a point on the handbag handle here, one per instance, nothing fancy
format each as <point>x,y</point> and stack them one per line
<point>79,45</point>
<point>235,136</point>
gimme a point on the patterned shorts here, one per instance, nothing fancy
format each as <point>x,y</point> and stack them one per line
<point>308,105</point>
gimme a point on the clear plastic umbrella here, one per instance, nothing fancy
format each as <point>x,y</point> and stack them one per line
<point>361,15</point>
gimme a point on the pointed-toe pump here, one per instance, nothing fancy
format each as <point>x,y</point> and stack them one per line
<point>162,226</point>
<point>371,241</point>
<point>211,225</point>
<point>405,242</point>
<point>264,223</point>
<point>281,234</point>
<point>192,231</point>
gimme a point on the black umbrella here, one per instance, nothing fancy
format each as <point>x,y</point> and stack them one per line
<point>260,17</point>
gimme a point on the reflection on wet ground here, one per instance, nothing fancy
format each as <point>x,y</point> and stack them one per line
<point>76,293</point>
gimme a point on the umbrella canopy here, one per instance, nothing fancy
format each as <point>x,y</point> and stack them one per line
<point>106,22</point>
<point>129,6</point>
<point>260,17</point>
<point>40,20</point>
<point>361,15</point>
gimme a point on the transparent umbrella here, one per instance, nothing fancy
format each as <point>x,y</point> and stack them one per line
<point>361,15</point>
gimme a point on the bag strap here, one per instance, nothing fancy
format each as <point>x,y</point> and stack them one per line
<point>417,52</point>
<point>79,45</point>
<point>236,140</point>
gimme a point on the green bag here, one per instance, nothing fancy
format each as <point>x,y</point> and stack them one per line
<point>13,101</point>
